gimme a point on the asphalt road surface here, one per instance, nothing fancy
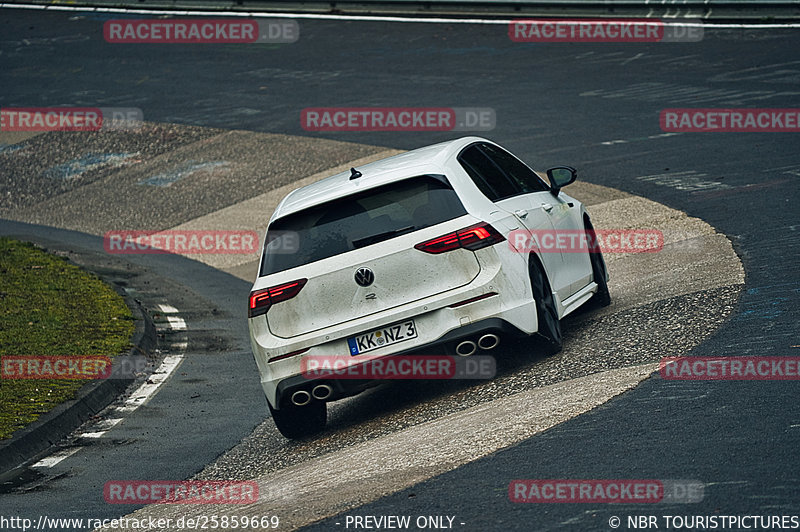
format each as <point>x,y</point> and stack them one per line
<point>224,133</point>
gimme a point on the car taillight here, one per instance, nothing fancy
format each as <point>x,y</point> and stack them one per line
<point>472,238</point>
<point>262,300</point>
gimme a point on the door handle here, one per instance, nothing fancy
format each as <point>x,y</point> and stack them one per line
<point>521,213</point>
<point>547,206</point>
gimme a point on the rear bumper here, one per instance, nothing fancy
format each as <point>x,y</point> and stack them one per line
<point>442,346</point>
<point>439,319</point>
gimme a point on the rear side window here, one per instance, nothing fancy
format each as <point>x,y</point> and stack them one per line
<point>497,173</point>
<point>517,171</point>
<point>488,177</point>
<point>360,220</point>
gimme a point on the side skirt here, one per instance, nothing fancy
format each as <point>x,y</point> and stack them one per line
<point>576,300</point>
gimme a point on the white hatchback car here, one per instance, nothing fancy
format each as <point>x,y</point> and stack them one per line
<point>418,240</point>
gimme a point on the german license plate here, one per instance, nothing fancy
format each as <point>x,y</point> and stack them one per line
<point>389,335</point>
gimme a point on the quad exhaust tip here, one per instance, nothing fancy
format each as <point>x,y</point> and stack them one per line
<point>466,348</point>
<point>488,341</point>
<point>322,392</point>
<point>301,398</point>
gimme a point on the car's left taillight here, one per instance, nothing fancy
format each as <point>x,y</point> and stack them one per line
<point>262,300</point>
<point>472,238</point>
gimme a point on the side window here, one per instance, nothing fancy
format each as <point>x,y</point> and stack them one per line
<point>516,170</point>
<point>488,177</point>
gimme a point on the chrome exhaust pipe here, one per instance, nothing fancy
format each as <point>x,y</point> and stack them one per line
<point>488,341</point>
<point>466,348</point>
<point>301,398</point>
<point>322,392</point>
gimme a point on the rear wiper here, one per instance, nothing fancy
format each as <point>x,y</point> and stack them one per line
<point>368,240</point>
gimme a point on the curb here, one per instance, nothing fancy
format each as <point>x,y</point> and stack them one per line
<point>93,397</point>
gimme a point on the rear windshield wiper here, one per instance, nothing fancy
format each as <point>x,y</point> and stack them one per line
<point>369,240</point>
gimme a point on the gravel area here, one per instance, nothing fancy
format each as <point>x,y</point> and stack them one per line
<point>591,344</point>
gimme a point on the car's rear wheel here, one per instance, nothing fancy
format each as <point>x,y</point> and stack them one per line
<point>546,312</point>
<point>601,298</point>
<point>300,421</point>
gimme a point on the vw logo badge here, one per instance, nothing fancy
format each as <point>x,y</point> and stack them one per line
<point>364,277</point>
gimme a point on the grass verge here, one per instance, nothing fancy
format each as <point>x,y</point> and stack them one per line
<point>51,307</point>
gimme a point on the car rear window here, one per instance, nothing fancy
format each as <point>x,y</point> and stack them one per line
<point>358,221</point>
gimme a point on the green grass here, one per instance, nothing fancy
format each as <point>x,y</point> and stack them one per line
<point>51,307</point>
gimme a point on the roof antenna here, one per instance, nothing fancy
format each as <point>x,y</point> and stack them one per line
<point>354,174</point>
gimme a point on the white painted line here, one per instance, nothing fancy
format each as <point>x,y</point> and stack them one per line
<point>160,375</point>
<point>108,423</point>
<point>377,18</point>
<point>98,434</point>
<point>625,141</point>
<point>137,398</point>
<point>637,56</point>
<point>147,389</point>
<point>176,324</point>
<point>100,428</point>
<point>55,458</point>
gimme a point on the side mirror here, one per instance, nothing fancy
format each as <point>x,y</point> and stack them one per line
<point>560,176</point>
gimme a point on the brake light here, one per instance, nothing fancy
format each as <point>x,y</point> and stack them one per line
<point>441,244</point>
<point>472,238</point>
<point>262,300</point>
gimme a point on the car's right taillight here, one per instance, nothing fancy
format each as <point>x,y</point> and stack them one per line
<point>472,238</point>
<point>262,300</point>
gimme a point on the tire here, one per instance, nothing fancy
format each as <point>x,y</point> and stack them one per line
<point>300,421</point>
<point>601,298</point>
<point>546,312</point>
